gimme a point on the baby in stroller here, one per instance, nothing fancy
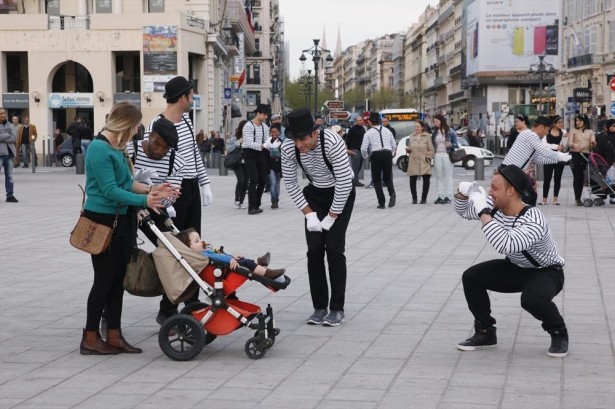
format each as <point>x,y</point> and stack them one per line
<point>191,238</point>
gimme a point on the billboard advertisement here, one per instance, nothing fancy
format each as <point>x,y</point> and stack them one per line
<point>509,35</point>
<point>159,56</point>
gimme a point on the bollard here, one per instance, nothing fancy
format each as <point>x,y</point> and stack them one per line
<point>361,174</point>
<point>221,167</point>
<point>479,169</point>
<point>33,157</point>
<point>540,172</point>
<point>216,161</point>
<point>79,164</point>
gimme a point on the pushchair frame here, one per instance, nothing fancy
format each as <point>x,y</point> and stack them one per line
<point>183,336</point>
<point>596,182</point>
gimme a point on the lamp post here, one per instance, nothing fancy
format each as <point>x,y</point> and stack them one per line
<point>316,52</point>
<point>306,81</point>
<point>541,68</point>
<point>470,83</point>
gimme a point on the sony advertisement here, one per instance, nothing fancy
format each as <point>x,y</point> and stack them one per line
<point>509,35</point>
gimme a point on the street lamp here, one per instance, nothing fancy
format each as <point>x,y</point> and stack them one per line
<point>541,68</point>
<point>306,81</point>
<point>470,83</point>
<point>316,52</point>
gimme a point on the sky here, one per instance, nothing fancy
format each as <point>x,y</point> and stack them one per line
<point>357,20</point>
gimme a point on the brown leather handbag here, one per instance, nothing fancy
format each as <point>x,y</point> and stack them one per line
<point>89,236</point>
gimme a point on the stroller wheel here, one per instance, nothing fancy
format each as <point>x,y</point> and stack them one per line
<point>588,202</point>
<point>181,337</point>
<point>269,341</point>
<point>195,306</point>
<point>254,349</point>
<point>598,202</point>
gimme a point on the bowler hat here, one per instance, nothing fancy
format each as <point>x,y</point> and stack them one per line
<point>543,120</point>
<point>374,117</point>
<point>300,123</point>
<point>167,131</point>
<point>176,87</point>
<point>515,176</point>
<point>262,108</point>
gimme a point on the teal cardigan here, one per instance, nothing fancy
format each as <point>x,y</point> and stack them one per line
<point>108,181</point>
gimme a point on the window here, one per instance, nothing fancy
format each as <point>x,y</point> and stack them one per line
<point>104,6</point>
<point>611,36</point>
<point>155,6</point>
<point>52,7</point>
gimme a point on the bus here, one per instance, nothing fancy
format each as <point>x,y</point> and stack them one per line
<point>402,119</point>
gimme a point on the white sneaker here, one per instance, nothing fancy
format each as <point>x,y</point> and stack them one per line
<point>237,205</point>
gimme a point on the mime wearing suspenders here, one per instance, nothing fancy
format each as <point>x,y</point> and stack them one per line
<point>255,134</point>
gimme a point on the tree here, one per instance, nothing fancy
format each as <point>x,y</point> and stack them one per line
<point>354,98</point>
<point>384,98</point>
<point>294,94</point>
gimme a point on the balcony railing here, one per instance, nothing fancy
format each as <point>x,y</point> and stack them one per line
<point>440,81</point>
<point>455,70</point>
<point>69,22</point>
<point>582,60</point>
<point>457,95</point>
<point>237,17</point>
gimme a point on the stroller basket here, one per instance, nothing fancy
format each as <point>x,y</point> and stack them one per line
<point>183,336</point>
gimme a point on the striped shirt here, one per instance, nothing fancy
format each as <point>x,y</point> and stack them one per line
<point>320,175</point>
<point>187,148</point>
<point>254,136</point>
<point>512,235</point>
<point>161,166</point>
<point>378,139</point>
<point>529,148</point>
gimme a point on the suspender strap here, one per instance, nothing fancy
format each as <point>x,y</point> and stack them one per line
<point>322,147</point>
<point>525,253</point>
<point>381,140</point>
<point>171,162</point>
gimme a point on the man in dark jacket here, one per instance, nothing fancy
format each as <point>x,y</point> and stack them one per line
<point>354,139</point>
<point>74,134</point>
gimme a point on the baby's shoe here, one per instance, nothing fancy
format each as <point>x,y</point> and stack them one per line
<point>273,274</point>
<point>264,259</point>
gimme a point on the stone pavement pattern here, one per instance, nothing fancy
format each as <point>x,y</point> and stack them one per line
<point>405,313</point>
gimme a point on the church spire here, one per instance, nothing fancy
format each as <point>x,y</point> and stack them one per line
<point>338,43</point>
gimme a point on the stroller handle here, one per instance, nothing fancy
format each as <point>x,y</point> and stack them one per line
<point>143,216</point>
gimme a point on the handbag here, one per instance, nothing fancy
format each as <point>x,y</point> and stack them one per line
<point>141,275</point>
<point>233,159</point>
<point>458,155</point>
<point>89,236</point>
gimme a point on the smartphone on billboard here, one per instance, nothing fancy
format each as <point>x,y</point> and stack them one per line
<point>528,41</point>
<point>475,42</point>
<point>551,47</point>
<point>518,41</point>
<point>540,40</point>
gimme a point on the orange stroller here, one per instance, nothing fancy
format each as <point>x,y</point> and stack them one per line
<point>183,336</point>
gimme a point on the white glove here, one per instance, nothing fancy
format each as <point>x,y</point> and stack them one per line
<point>313,222</point>
<point>206,195</point>
<point>144,176</point>
<point>479,201</point>
<point>563,157</point>
<point>327,222</point>
<point>476,188</point>
<point>464,188</point>
<point>171,212</point>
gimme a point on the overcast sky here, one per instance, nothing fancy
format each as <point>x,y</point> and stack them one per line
<point>357,19</point>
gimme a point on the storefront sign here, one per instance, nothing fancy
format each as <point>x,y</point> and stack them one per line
<point>15,100</point>
<point>582,94</point>
<point>71,100</point>
<point>130,97</point>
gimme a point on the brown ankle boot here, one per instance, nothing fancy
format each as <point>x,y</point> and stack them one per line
<point>264,259</point>
<point>116,339</point>
<point>92,344</point>
<point>273,274</point>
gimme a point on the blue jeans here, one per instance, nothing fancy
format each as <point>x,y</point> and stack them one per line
<point>84,146</point>
<point>274,185</point>
<point>7,165</point>
<point>356,161</point>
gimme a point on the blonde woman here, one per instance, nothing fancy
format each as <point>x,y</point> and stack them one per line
<point>581,140</point>
<point>420,151</point>
<point>110,189</point>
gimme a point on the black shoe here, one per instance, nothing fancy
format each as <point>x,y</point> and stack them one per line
<point>370,186</point>
<point>359,184</point>
<point>255,211</point>
<point>446,200</point>
<point>414,201</point>
<point>392,200</point>
<point>380,206</point>
<point>423,201</point>
<point>439,201</point>
<point>12,199</point>
<point>161,317</point>
<point>25,166</point>
<point>559,343</point>
<point>482,338</point>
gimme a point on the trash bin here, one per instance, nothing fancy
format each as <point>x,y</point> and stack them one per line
<point>479,169</point>
<point>221,167</point>
<point>80,164</point>
<point>540,172</point>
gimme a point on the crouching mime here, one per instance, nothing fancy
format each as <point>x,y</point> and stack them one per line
<point>532,265</point>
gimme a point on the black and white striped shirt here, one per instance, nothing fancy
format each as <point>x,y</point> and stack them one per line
<point>161,166</point>
<point>378,139</point>
<point>254,136</point>
<point>187,148</point>
<point>320,175</point>
<point>529,148</point>
<point>531,233</point>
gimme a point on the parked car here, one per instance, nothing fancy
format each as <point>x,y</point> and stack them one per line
<point>64,153</point>
<point>401,158</point>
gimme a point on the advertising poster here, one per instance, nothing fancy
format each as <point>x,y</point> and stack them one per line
<point>159,56</point>
<point>509,35</point>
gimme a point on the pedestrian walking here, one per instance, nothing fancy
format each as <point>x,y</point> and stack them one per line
<point>8,152</point>
<point>255,134</point>
<point>420,151</point>
<point>354,140</point>
<point>554,140</point>
<point>241,172</point>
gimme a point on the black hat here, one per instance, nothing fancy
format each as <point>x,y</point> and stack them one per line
<point>300,123</point>
<point>262,108</point>
<point>176,87</point>
<point>374,117</point>
<point>609,123</point>
<point>515,176</point>
<point>167,131</point>
<point>543,120</point>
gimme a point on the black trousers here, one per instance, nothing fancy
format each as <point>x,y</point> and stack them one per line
<point>107,291</point>
<point>333,243</point>
<point>579,165</point>
<point>257,174</point>
<point>554,172</point>
<point>382,171</point>
<point>242,183</point>
<point>426,182</point>
<point>538,287</point>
